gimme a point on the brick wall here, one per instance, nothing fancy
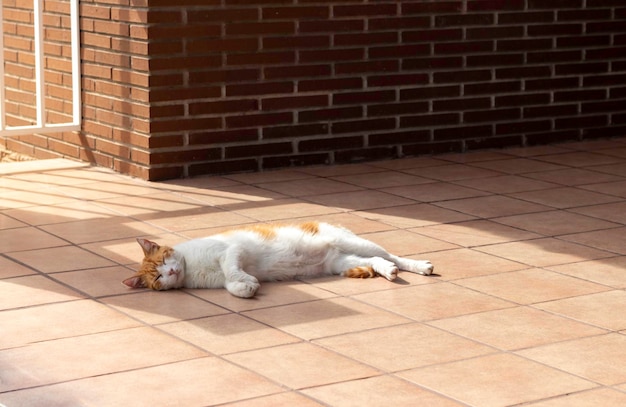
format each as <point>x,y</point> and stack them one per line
<point>189,87</point>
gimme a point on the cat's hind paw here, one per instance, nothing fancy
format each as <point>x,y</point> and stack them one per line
<point>424,267</point>
<point>243,289</point>
<point>386,269</point>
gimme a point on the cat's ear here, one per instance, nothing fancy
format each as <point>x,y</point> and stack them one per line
<point>134,282</point>
<point>147,246</point>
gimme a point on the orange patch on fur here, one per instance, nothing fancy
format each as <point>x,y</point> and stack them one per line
<point>310,227</point>
<point>360,272</point>
<point>265,231</point>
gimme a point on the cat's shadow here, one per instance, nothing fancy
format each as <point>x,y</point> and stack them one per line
<point>400,281</point>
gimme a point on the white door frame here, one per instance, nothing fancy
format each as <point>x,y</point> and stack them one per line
<point>41,127</point>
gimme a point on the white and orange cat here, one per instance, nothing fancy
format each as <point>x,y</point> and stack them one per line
<point>240,258</point>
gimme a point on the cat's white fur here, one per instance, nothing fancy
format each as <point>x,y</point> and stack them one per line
<point>239,259</point>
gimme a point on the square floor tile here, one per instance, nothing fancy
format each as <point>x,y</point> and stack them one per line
<point>33,290</point>
<point>563,198</point>
<point>314,186</point>
<point>194,219</point>
<point>496,380</point>
<point>574,176</point>
<point>328,317</point>
<point>270,294</point>
<point>23,326</point>
<point>475,233</point>
<point>223,334</point>
<point>464,263</point>
<point>516,328</point>
<point>531,286</point>
<point>108,352</point>
<point>157,307</point>
<point>405,243</point>
<point>505,184</point>
<point>554,223</point>
<point>98,230</point>
<point>377,391</point>
<point>9,268</point>
<point>404,347</point>
<point>359,200</point>
<point>383,179</point>
<point>579,159</point>
<point>452,172</point>
<point>614,169</point>
<point>22,239</point>
<point>301,365</point>
<point>591,398</point>
<point>353,286</point>
<point>605,309</point>
<point>610,272</point>
<point>275,400</point>
<point>608,188</point>
<point>613,212</point>
<point>7,222</point>
<point>231,197</point>
<point>599,358</point>
<point>64,258</point>
<point>67,212</point>
<point>97,282</point>
<point>182,387</point>
<point>613,240</point>
<point>492,206</point>
<point>341,169</point>
<point>416,215</point>
<point>517,165</point>
<point>434,191</point>
<point>544,252</point>
<point>432,301</point>
<point>281,209</point>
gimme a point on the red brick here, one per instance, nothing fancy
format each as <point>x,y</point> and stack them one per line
<point>259,88</point>
<point>365,10</point>
<point>222,106</point>
<point>432,7</point>
<point>254,150</point>
<point>351,68</point>
<point>227,136</point>
<point>294,102</point>
<point>359,126</point>
<point>329,144</point>
<point>260,28</point>
<point>338,113</point>
<point>287,42</point>
<point>302,12</point>
<point>354,98</point>
<point>254,120</point>
<point>261,58</point>
<point>299,71</point>
<point>393,109</point>
<point>331,26</point>
<point>295,131</point>
<point>428,120</point>
<point>329,84</point>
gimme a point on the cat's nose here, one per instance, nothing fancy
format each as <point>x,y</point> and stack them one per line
<point>173,272</point>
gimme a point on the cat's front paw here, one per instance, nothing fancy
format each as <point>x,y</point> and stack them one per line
<point>243,289</point>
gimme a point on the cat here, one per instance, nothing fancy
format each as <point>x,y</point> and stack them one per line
<point>238,259</point>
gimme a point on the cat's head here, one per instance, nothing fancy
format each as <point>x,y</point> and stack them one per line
<point>162,268</point>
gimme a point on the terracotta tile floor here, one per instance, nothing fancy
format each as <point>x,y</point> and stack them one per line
<point>527,307</point>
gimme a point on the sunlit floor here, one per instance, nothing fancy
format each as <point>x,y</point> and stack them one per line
<point>528,304</point>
